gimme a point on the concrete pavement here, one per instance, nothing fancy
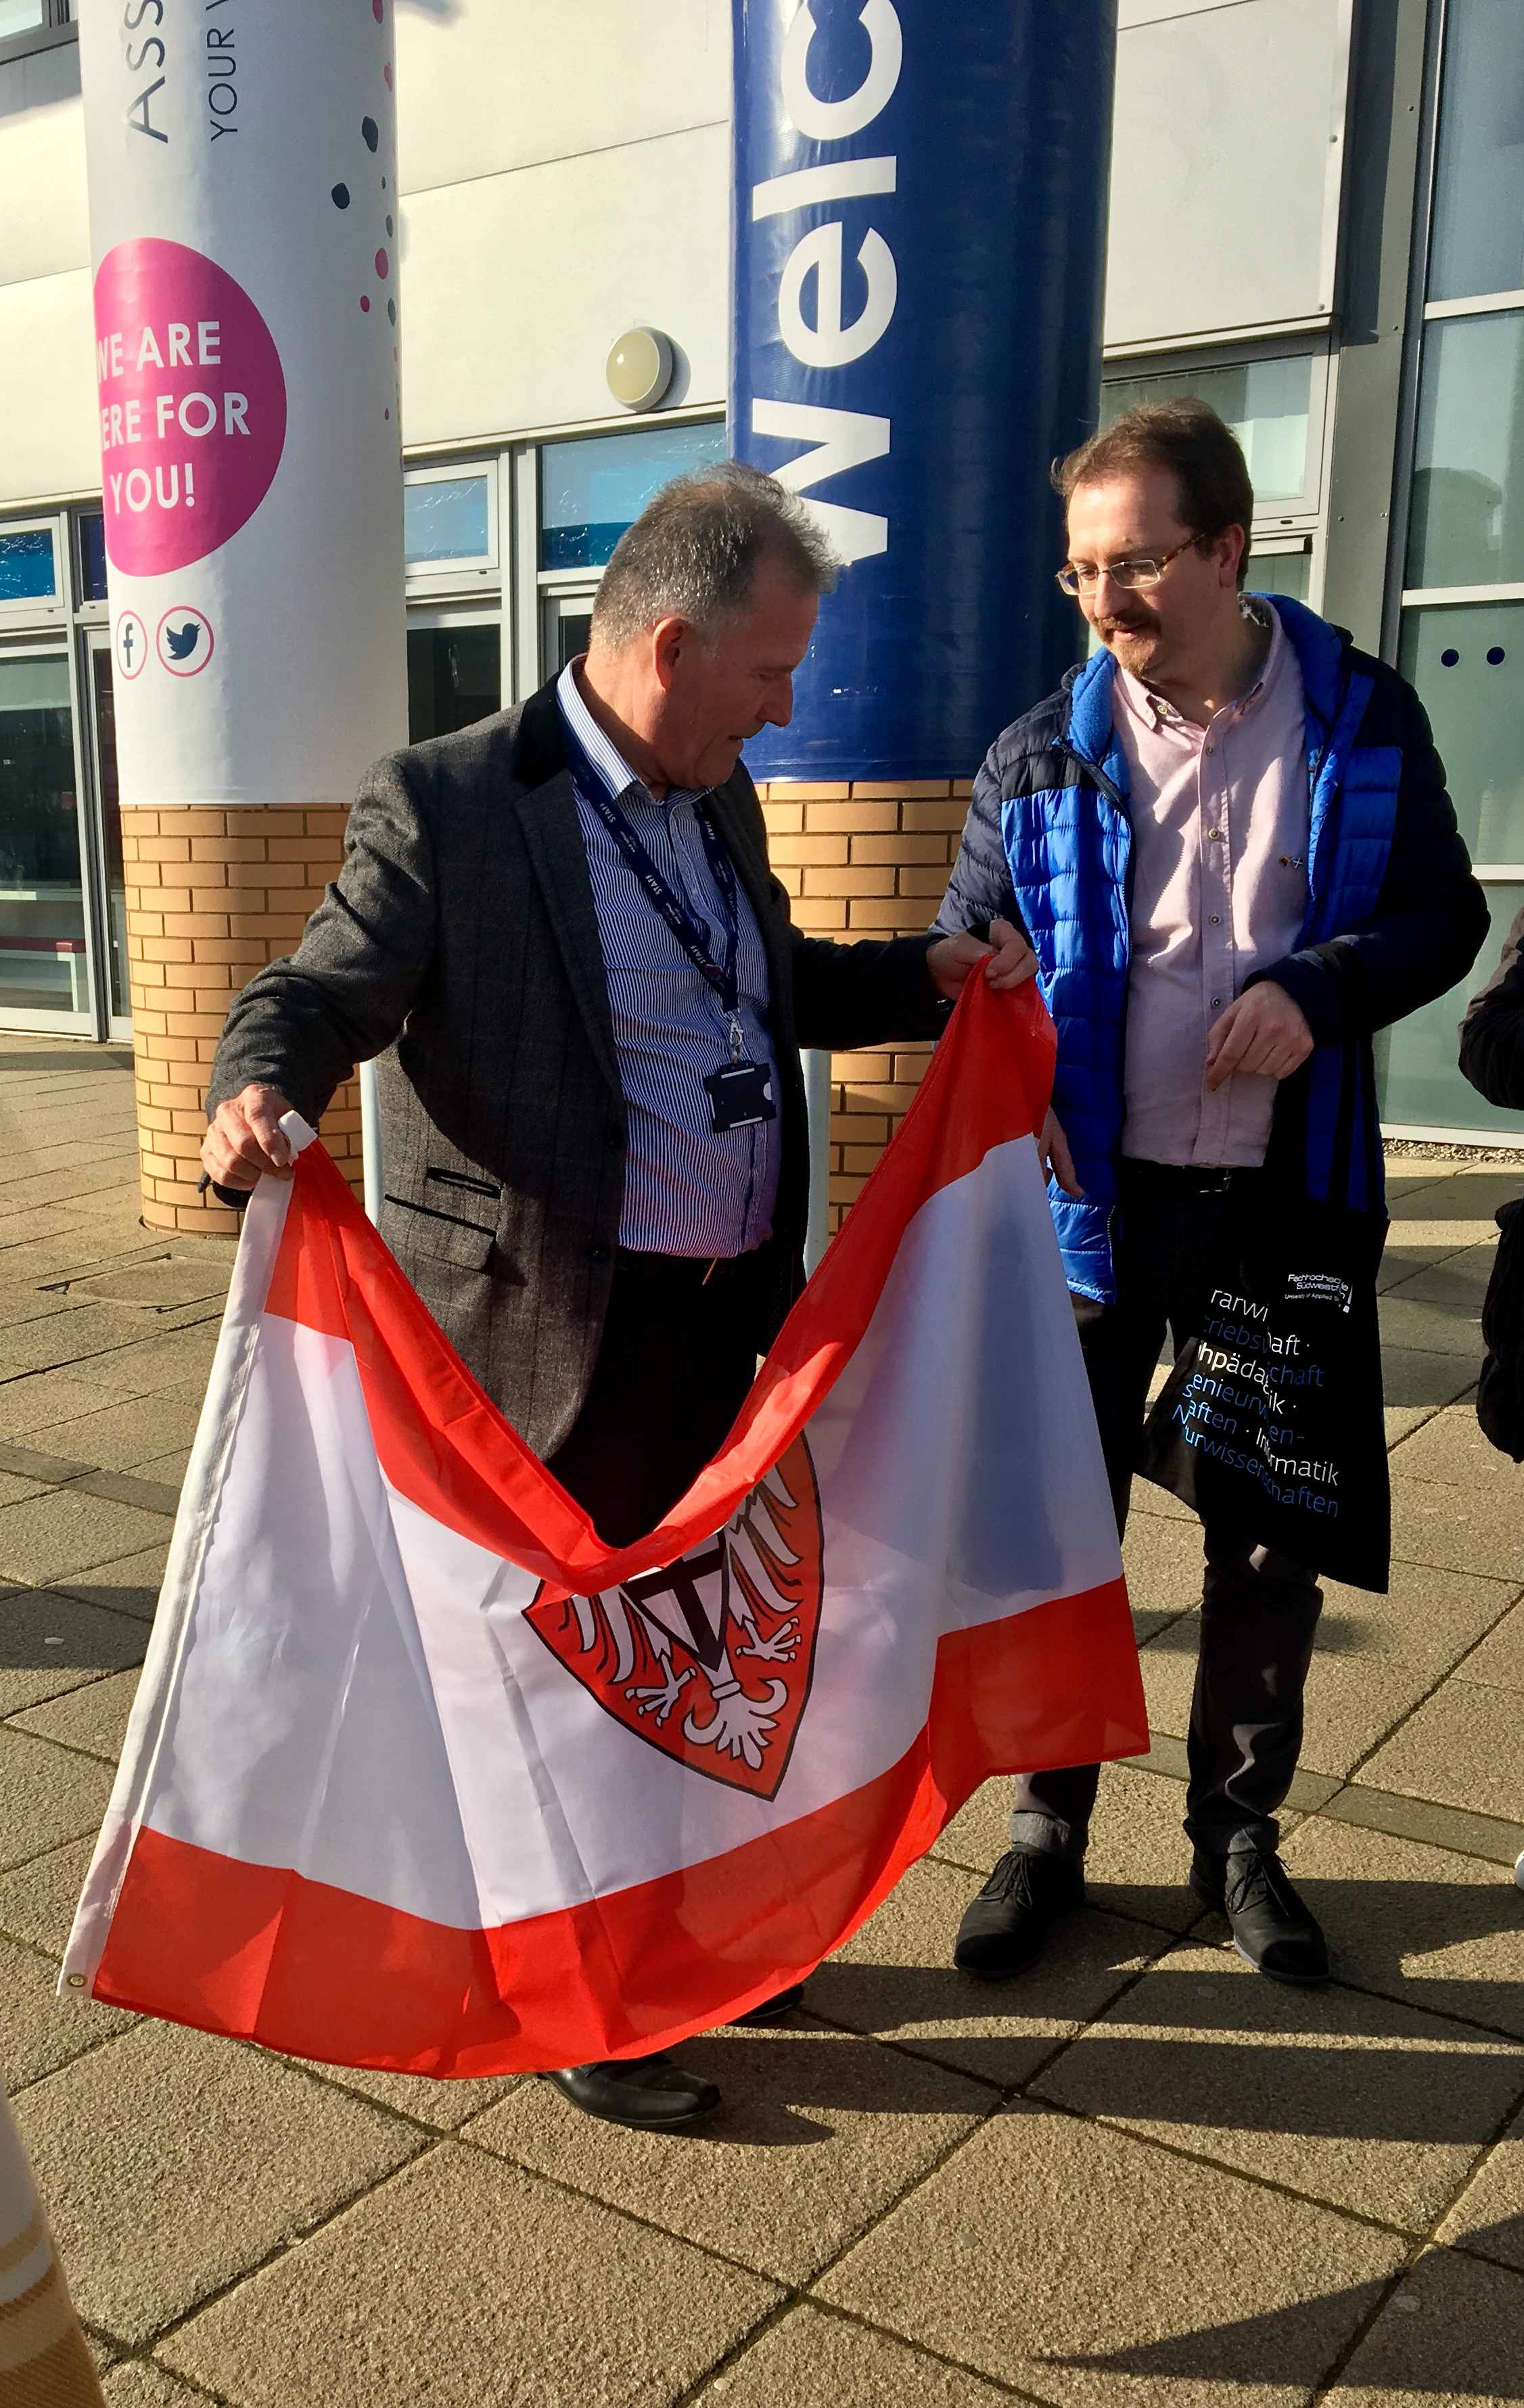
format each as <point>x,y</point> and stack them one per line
<point>1141,2177</point>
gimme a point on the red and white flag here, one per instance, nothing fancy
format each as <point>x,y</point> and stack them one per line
<point>423,1775</point>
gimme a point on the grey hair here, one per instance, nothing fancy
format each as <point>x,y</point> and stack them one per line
<point>695,549</point>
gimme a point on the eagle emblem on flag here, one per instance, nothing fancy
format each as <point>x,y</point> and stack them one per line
<point>711,1659</point>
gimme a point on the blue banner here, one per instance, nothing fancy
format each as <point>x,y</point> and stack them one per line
<point>919,248</point>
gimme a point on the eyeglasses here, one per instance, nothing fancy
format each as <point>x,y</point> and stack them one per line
<point>1143,569</point>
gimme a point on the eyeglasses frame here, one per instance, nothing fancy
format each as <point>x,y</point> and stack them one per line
<point>1159,561</point>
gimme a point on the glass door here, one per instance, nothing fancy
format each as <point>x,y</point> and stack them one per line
<point>44,955</point>
<point>112,969</point>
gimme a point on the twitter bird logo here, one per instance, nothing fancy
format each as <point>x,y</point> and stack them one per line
<point>185,641</point>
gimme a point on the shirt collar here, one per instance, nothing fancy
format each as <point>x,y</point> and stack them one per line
<point>1156,712</point>
<point>603,755</point>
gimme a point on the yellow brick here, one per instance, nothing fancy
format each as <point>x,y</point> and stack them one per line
<point>902,846</point>
<point>895,1097</point>
<point>162,847</point>
<point>861,1157</point>
<point>866,1128</point>
<point>845,1189</point>
<point>786,790</point>
<point>195,923</point>
<point>789,879</point>
<point>818,911</point>
<point>782,819</point>
<point>851,818</point>
<point>885,915</point>
<point>950,815</point>
<point>247,952</point>
<point>918,877</point>
<point>196,819</point>
<point>167,949</point>
<point>227,848</point>
<point>863,1069</point>
<point>808,849</point>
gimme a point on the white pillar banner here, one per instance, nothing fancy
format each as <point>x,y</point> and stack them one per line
<point>243,210</point>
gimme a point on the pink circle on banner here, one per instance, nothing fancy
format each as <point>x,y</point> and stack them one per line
<point>193,405</point>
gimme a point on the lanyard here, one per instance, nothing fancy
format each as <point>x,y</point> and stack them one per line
<point>722,977</point>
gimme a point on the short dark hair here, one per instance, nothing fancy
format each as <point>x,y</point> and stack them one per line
<point>695,551</point>
<point>1188,437</point>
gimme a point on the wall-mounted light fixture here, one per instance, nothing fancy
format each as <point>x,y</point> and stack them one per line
<point>639,367</point>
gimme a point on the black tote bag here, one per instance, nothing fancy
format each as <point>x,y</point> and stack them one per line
<point>1271,1424</point>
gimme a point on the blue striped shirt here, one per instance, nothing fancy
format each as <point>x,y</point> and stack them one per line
<point>688,1188</point>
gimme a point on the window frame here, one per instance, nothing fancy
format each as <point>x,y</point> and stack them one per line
<point>32,610</point>
<point>1303,511</point>
<point>59,25</point>
<point>469,573</point>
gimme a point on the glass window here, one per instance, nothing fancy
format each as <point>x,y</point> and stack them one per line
<point>42,921</point>
<point>591,490</point>
<point>104,694</point>
<point>92,558</point>
<point>1467,526</point>
<point>1467,662</point>
<point>454,676</point>
<point>28,570</point>
<point>1478,236</point>
<point>1280,572</point>
<point>1267,402</point>
<point>22,16</point>
<point>446,518</point>
<point>1421,1085</point>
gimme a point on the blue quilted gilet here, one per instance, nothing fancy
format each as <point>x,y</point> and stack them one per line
<point>1069,845</point>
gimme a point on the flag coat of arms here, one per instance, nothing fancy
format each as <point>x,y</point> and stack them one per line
<point>423,1775</point>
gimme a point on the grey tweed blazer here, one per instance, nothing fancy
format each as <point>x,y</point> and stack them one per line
<point>460,943</point>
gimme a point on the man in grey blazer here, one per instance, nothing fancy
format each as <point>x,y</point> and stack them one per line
<point>559,930</point>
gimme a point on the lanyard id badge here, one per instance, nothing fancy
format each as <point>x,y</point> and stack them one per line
<point>740,1093</point>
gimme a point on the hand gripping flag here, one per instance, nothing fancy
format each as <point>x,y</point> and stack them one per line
<point>422,1774</point>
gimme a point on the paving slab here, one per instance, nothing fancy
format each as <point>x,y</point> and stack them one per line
<point>894,1980</point>
<point>444,2106</point>
<point>1447,2338</point>
<point>129,1584</point>
<point>72,1339</point>
<point>93,1718</point>
<point>1359,2101</point>
<point>1462,1748</point>
<point>38,2031</point>
<point>814,2360</point>
<point>1413,1922</point>
<point>136,2384</point>
<point>1430,1328</point>
<point>1163,1562</point>
<point>123,1435</point>
<point>1487,2219</point>
<point>49,1644</point>
<point>46,1796</point>
<point>13,1489</point>
<point>1460,1529</point>
<point>38,1899</point>
<point>1417,1384</point>
<point>51,1537</point>
<point>819,2133</point>
<point>1499,1662</point>
<point>221,2154</point>
<point>1137,1856</point>
<point>1453,1828</point>
<point>468,2284</point>
<point>1089,2269</point>
<point>162,1361</point>
<point>1450,1447</point>
<point>34,1401</point>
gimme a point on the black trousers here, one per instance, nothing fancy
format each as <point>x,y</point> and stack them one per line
<point>1258,1608</point>
<point>678,1354</point>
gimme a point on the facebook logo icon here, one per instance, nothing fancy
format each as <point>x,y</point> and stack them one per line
<point>131,644</point>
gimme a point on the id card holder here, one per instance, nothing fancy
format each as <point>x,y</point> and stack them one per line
<point>740,1096</point>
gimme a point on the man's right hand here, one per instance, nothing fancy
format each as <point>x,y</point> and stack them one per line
<point>1056,1160</point>
<point>244,1140</point>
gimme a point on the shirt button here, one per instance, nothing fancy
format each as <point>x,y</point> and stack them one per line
<point>1216,1003</point>
<point>1215,920</point>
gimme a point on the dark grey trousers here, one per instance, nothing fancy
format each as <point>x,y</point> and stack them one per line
<point>1258,1608</point>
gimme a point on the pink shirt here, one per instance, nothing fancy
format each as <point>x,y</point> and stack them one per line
<point>1219,857</point>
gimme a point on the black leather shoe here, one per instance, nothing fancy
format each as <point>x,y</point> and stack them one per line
<point>1271,1925</point>
<point>775,2010</point>
<point>1006,1928</point>
<point>650,2093</point>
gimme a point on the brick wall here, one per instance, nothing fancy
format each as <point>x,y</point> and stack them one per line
<point>211,895</point>
<point>867,860</point>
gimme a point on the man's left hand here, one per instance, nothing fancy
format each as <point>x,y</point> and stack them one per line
<point>1262,1032</point>
<point>1008,959</point>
